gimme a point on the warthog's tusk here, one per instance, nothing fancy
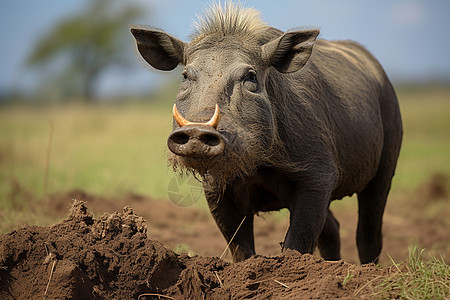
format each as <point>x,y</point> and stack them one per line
<point>178,117</point>
<point>213,122</point>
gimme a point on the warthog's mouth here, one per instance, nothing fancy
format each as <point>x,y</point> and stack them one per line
<point>224,167</point>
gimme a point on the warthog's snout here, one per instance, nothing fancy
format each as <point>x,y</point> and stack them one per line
<point>192,139</point>
<point>201,141</point>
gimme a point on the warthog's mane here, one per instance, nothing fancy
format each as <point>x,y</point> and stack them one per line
<point>228,19</point>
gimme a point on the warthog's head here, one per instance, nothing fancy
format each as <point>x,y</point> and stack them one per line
<point>225,118</point>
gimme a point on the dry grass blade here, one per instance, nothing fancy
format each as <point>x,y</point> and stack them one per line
<point>262,280</point>
<point>50,278</point>
<point>218,278</point>
<point>394,263</point>
<point>226,248</point>
<point>269,279</point>
<point>157,295</point>
<point>366,285</point>
<point>286,286</point>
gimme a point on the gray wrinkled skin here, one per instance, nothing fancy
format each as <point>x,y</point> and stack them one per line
<point>303,121</point>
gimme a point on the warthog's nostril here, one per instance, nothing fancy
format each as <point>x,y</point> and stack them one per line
<point>210,139</point>
<point>196,141</point>
<point>180,138</point>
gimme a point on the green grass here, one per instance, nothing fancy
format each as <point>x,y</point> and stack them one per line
<point>347,278</point>
<point>105,150</point>
<point>417,279</point>
<point>426,142</point>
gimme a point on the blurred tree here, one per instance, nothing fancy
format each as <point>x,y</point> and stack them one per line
<point>88,44</point>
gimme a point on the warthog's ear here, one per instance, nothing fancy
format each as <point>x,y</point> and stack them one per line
<point>159,49</point>
<point>291,51</point>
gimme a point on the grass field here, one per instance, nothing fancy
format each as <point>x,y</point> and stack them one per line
<point>116,149</point>
<point>113,149</point>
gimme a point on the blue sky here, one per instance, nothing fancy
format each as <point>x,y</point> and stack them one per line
<point>411,38</point>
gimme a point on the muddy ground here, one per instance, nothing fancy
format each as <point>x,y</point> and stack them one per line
<point>126,253</point>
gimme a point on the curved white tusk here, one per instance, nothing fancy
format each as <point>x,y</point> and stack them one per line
<point>178,117</point>
<point>181,121</point>
<point>214,121</point>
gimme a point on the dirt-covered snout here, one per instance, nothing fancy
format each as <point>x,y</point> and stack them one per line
<point>197,139</point>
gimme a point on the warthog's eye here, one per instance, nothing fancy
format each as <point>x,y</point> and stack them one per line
<point>251,81</point>
<point>186,82</point>
<point>251,76</point>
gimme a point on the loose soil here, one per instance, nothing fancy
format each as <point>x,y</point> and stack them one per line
<point>112,258</point>
<point>123,255</point>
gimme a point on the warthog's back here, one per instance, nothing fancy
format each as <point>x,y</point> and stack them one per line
<point>349,93</point>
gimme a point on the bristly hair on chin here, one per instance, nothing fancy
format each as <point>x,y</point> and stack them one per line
<point>220,172</point>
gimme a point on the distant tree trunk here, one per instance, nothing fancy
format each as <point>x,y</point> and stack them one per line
<point>88,88</point>
<point>91,75</point>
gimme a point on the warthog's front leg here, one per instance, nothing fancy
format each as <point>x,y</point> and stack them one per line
<point>308,215</point>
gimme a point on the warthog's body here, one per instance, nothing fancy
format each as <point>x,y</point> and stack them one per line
<point>303,122</point>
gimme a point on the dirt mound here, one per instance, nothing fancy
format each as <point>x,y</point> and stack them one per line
<point>83,258</point>
<point>112,258</point>
<point>291,276</point>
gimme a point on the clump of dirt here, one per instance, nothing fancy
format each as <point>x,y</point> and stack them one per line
<point>112,258</point>
<point>84,258</point>
<point>290,276</point>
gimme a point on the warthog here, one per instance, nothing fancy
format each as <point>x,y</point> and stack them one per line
<point>270,120</point>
